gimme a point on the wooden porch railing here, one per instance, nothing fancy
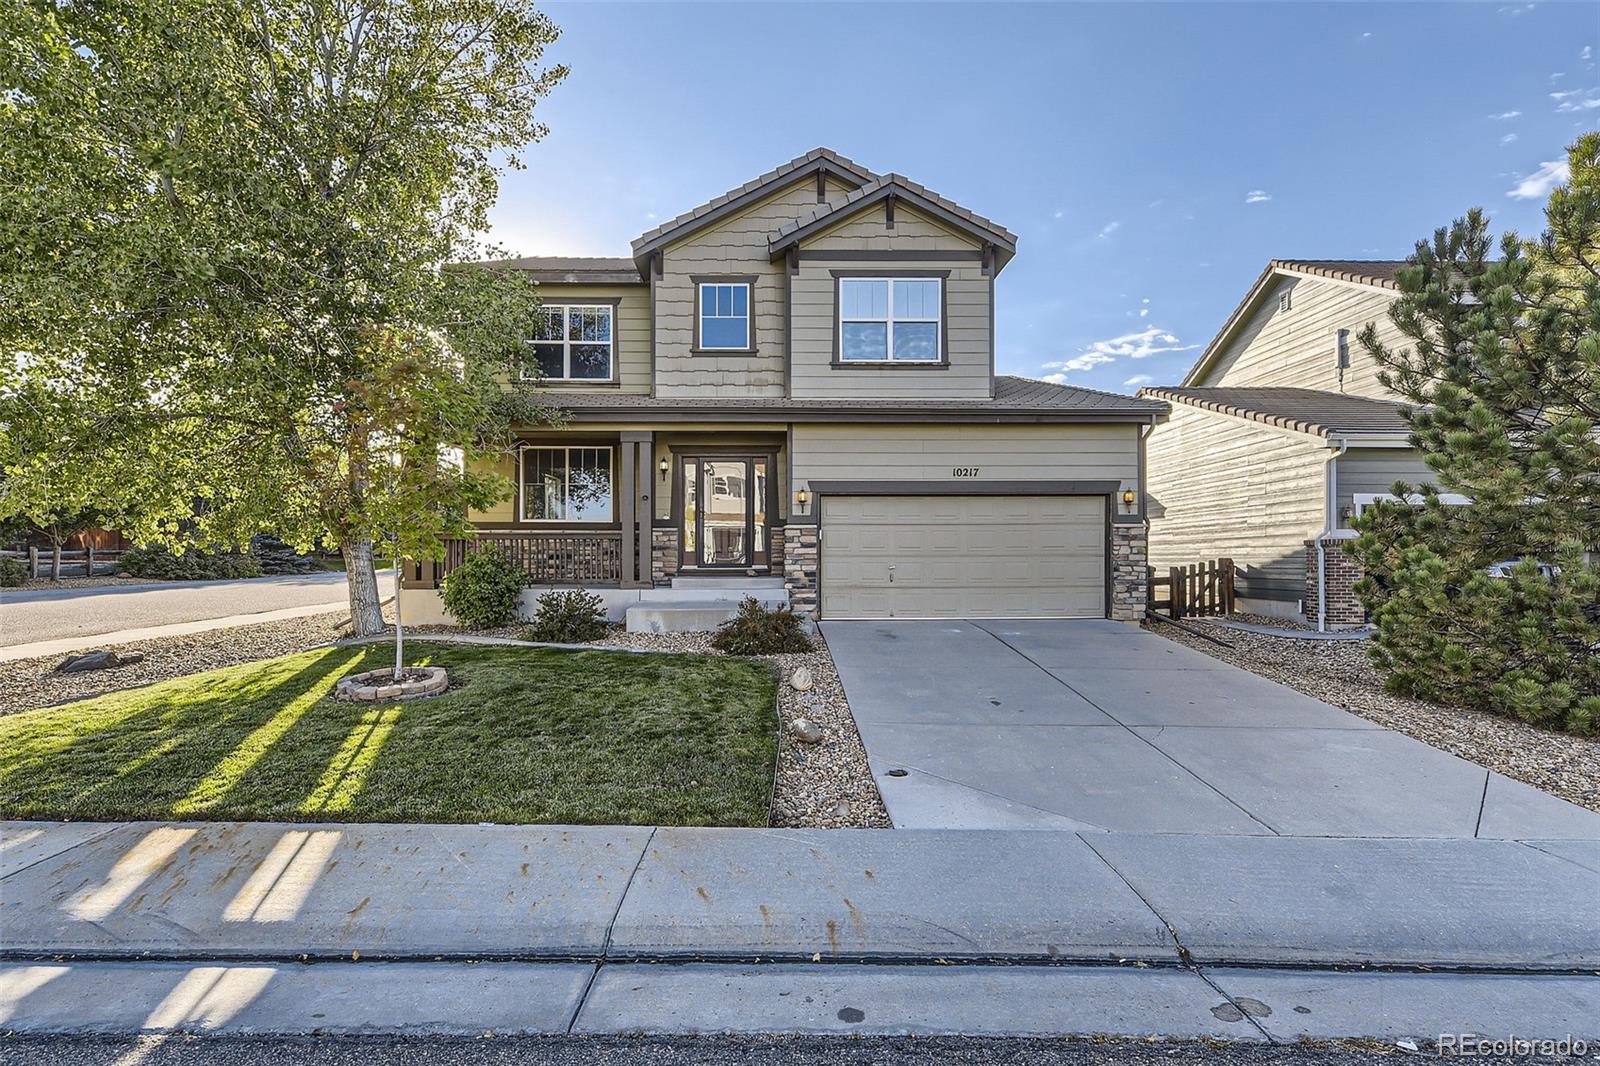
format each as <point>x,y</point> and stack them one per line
<point>549,558</point>
<point>1199,590</point>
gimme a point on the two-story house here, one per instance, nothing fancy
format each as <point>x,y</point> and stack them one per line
<point>790,391</point>
<point>1279,435</point>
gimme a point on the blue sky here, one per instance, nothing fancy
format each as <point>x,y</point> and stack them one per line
<point>1151,158</point>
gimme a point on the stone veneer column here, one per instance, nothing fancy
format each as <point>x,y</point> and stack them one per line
<point>1130,571</point>
<point>1341,574</point>
<point>800,567</point>
<point>663,554</point>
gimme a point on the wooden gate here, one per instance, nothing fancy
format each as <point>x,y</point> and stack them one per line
<point>1199,590</point>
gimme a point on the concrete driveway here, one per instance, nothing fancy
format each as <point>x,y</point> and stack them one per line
<point>1097,725</point>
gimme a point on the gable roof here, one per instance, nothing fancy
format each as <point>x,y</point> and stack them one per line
<point>899,187</point>
<point>1377,273</point>
<point>1323,414</point>
<point>1015,399</point>
<point>594,269</point>
<point>818,160</point>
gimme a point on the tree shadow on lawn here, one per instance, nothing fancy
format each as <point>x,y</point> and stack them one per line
<point>524,736</point>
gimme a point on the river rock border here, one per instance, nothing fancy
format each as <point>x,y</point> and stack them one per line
<point>380,684</point>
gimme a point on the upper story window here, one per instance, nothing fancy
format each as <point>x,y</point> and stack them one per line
<point>566,484</point>
<point>574,342</point>
<point>722,316</point>
<point>890,320</point>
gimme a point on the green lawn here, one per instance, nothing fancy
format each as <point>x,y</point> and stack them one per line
<point>532,735</point>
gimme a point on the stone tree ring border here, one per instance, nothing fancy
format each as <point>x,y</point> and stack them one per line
<point>376,685</point>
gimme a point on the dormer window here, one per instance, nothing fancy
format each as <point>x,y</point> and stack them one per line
<point>894,320</point>
<point>723,316</point>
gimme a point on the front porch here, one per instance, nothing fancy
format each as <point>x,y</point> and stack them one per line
<point>622,510</point>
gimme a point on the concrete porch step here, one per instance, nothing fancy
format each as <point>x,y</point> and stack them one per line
<point>679,616</point>
<point>725,581</point>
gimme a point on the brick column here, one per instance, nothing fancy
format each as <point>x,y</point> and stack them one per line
<point>1341,574</point>
<point>1130,571</point>
<point>800,556</point>
<point>663,554</point>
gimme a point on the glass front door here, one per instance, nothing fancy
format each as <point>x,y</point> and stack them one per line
<point>725,511</point>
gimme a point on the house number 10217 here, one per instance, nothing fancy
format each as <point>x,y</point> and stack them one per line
<point>964,471</point>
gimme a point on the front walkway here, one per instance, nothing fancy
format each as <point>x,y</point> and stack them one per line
<point>1096,725</point>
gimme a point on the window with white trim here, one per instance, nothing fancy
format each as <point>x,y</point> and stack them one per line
<point>562,484</point>
<point>890,320</point>
<point>574,342</point>
<point>725,316</point>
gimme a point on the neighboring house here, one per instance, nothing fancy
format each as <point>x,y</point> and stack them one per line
<point>1281,433</point>
<point>790,391</point>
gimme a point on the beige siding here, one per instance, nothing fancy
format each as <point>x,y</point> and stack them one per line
<point>735,246</point>
<point>1375,470</point>
<point>998,452</point>
<point>505,511</point>
<point>1296,348</point>
<point>912,230</point>
<point>967,320</point>
<point>632,350</point>
<point>1228,487</point>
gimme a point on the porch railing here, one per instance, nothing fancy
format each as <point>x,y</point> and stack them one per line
<point>548,558</point>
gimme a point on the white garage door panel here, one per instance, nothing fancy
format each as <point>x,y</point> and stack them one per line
<point>963,556</point>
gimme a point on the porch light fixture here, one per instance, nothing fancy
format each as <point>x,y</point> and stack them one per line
<point>663,466</point>
<point>802,498</point>
<point>1128,497</point>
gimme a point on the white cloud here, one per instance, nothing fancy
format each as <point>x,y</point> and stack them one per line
<point>1060,213</point>
<point>1109,228</point>
<point>1257,196</point>
<point>1505,116</point>
<point>1538,184</point>
<point>1367,34</point>
<point>1587,53</point>
<point>1581,103</point>
<point>1055,379</point>
<point>1087,361</point>
<point>1509,138</point>
<point>1136,380</point>
<point>1144,312</point>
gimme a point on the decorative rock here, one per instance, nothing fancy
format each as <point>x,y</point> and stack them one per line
<point>807,730</point>
<point>380,684</point>
<point>99,659</point>
<point>841,809</point>
<point>801,679</point>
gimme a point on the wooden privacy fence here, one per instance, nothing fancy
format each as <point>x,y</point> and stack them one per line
<point>1199,590</point>
<point>82,562</point>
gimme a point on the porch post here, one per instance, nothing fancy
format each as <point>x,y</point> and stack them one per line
<point>645,508</point>
<point>634,496</point>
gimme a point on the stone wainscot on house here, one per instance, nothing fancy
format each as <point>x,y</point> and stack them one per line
<point>790,392</point>
<point>1279,435</point>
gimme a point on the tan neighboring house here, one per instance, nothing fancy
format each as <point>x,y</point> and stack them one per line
<point>1278,435</point>
<point>790,392</point>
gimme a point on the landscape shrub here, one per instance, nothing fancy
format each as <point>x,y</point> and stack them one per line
<point>761,630</point>
<point>13,572</point>
<point>568,617</point>
<point>485,591</point>
<point>155,561</point>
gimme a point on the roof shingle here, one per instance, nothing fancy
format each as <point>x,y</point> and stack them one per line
<point>1324,414</point>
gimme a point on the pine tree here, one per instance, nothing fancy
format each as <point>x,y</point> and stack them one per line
<point>1503,365</point>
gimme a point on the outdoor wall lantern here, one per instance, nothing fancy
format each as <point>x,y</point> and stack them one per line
<point>1128,497</point>
<point>664,466</point>
<point>802,498</point>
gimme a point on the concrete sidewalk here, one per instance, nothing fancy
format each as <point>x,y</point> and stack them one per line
<point>265,891</point>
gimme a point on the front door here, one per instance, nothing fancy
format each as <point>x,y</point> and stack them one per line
<point>724,512</point>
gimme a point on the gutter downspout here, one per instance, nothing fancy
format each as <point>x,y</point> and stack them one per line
<point>1330,525</point>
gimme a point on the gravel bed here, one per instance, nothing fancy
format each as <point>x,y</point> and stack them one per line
<point>34,682</point>
<point>39,584</point>
<point>1339,672</point>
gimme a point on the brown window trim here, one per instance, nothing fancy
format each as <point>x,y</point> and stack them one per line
<point>615,303</point>
<point>750,280</point>
<point>942,363</point>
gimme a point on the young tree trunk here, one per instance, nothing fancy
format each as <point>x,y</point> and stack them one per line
<point>366,612</point>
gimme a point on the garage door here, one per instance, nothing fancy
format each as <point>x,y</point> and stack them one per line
<point>963,556</point>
